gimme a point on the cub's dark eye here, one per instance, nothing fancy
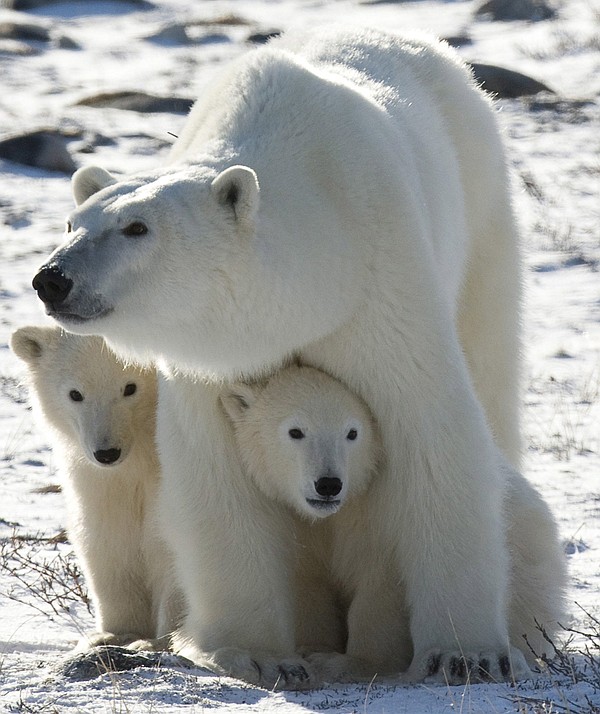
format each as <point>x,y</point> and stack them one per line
<point>130,389</point>
<point>69,227</point>
<point>76,396</point>
<point>351,435</point>
<point>135,229</point>
<point>296,433</point>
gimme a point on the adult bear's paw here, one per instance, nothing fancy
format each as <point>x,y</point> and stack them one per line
<point>461,667</point>
<point>263,669</point>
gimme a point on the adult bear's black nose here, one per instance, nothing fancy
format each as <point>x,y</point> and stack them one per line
<point>52,285</point>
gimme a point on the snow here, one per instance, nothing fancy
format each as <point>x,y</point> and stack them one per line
<point>556,157</point>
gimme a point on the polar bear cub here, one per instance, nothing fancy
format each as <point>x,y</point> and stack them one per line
<point>304,438</point>
<point>102,415</point>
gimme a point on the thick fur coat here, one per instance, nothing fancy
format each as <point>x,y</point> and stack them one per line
<point>340,198</point>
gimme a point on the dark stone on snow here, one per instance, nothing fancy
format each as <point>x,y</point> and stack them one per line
<point>260,38</point>
<point>23,30</point>
<point>179,34</point>
<point>44,149</point>
<point>506,83</point>
<point>102,660</point>
<point>138,102</point>
<point>66,43</point>
<point>550,102</point>
<point>174,34</point>
<point>458,40</point>
<point>507,10</point>
<point>35,4</point>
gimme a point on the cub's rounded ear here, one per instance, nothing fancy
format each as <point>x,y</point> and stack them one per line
<point>237,399</point>
<point>29,343</point>
<point>237,188</point>
<point>88,180</point>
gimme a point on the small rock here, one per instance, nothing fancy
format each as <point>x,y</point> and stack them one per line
<point>260,38</point>
<point>101,660</point>
<point>137,102</point>
<point>229,20</point>
<point>458,40</point>
<point>506,83</point>
<point>12,29</point>
<point>174,34</point>
<point>64,43</point>
<point>44,149</point>
<point>508,10</point>
<point>35,4</point>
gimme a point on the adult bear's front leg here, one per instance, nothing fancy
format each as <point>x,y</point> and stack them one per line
<point>440,494</point>
<point>231,546</point>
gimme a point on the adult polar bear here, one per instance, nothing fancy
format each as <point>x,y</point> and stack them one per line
<point>340,197</point>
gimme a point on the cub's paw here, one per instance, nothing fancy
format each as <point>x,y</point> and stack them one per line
<point>263,669</point>
<point>159,644</point>
<point>100,639</point>
<point>334,667</point>
<point>461,667</point>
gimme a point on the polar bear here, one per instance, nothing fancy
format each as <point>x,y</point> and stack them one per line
<point>311,446</point>
<point>302,423</point>
<point>102,415</point>
<point>304,438</point>
<point>338,197</point>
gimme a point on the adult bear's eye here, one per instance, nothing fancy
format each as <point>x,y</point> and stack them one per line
<point>76,396</point>
<point>351,435</point>
<point>296,433</point>
<point>69,227</point>
<point>135,229</point>
<point>130,389</point>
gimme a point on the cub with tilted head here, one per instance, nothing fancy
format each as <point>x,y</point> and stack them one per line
<point>102,413</point>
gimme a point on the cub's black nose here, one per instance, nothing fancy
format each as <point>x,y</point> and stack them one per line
<point>107,456</point>
<point>52,285</point>
<point>328,486</point>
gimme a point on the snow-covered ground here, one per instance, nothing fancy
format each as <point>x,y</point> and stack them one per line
<point>555,149</point>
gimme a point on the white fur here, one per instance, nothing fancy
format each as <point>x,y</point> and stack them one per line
<point>111,507</point>
<point>298,429</point>
<point>371,234</point>
<point>335,562</point>
<point>339,440</point>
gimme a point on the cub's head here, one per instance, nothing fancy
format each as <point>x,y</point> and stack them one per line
<point>99,408</point>
<point>139,251</point>
<point>304,438</point>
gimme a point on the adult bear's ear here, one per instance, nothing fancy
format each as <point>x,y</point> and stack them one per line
<point>89,180</point>
<point>237,188</point>
<point>236,401</point>
<point>29,343</point>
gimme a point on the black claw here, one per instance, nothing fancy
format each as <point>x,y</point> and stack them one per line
<point>258,669</point>
<point>458,668</point>
<point>484,669</point>
<point>433,664</point>
<point>504,664</point>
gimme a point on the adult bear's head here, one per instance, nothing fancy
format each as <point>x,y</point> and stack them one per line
<point>147,257</point>
<point>201,266</point>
